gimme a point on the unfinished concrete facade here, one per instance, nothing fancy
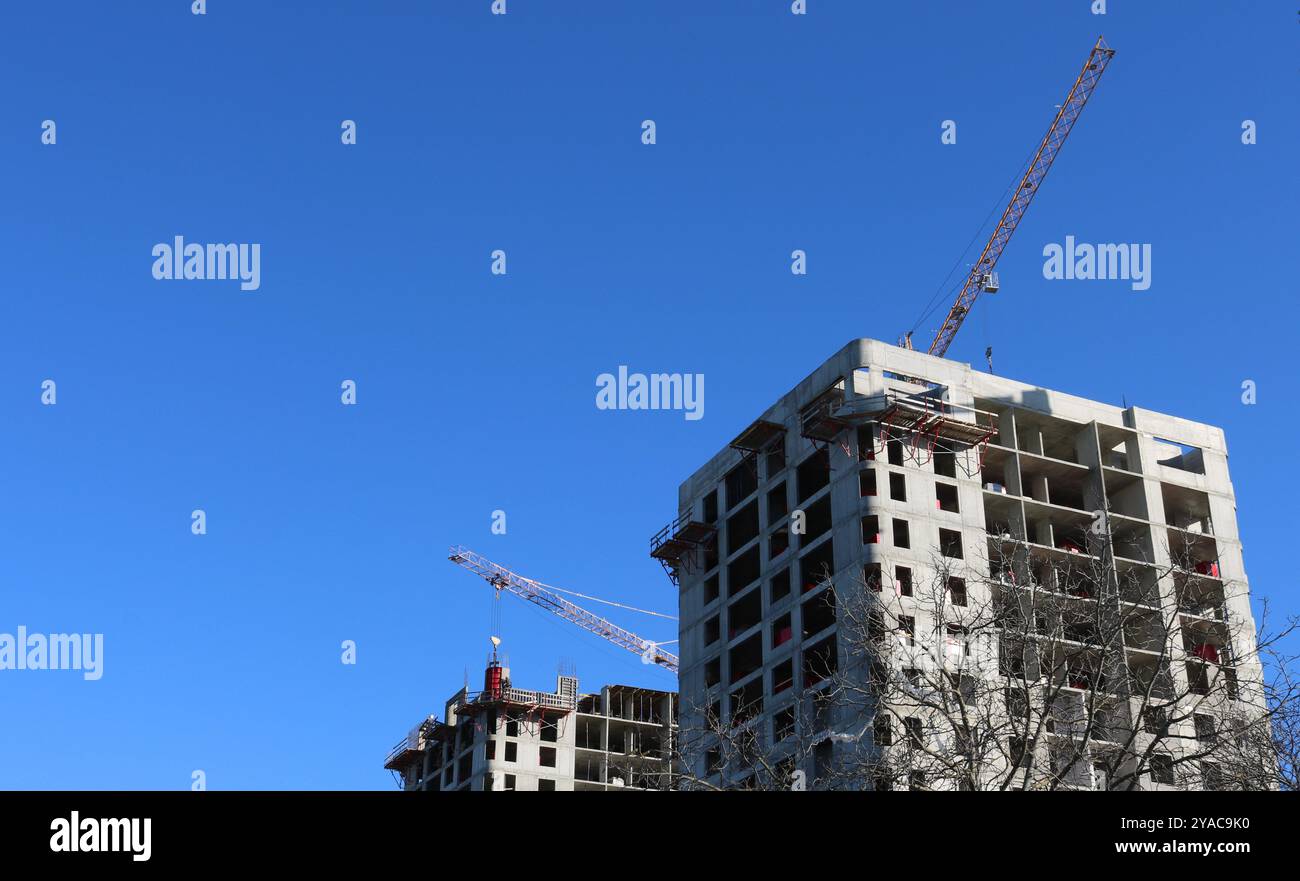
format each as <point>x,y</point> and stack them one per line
<point>504,738</point>
<point>894,459</point>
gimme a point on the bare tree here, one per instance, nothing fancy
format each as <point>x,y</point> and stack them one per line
<point>1059,669</point>
<point>1063,670</point>
<point>735,753</point>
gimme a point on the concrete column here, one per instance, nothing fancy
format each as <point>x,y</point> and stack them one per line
<point>1038,488</point>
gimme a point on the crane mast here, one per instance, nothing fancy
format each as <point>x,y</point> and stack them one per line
<point>502,578</point>
<point>981,276</point>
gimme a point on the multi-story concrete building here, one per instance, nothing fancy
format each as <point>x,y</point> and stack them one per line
<point>899,463</point>
<point>505,738</point>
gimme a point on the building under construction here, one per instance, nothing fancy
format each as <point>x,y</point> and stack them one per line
<point>900,465</point>
<point>506,738</point>
<point>904,567</point>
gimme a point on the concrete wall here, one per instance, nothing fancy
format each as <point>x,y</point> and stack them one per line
<point>1046,439</point>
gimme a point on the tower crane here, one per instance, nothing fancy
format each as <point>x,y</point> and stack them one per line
<point>502,578</point>
<point>982,278</point>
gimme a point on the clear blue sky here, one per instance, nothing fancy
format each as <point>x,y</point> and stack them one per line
<point>476,392</point>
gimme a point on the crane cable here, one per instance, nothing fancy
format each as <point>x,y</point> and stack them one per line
<point>596,599</point>
<point>934,300</point>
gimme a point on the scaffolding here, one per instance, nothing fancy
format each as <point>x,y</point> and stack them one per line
<point>412,746</point>
<point>759,437</point>
<point>676,544</point>
<point>821,420</point>
<point>924,420</point>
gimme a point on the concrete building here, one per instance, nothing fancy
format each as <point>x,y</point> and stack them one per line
<point>895,458</point>
<point>505,738</point>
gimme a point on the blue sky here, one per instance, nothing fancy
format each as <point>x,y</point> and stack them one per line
<point>476,392</point>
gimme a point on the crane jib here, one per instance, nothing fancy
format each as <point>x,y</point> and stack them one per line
<point>1066,116</point>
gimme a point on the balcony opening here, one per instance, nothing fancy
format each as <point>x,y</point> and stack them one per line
<point>740,482</point>
<point>779,586</point>
<point>878,633</point>
<point>945,463</point>
<point>823,755</point>
<point>956,643</point>
<point>744,613</point>
<point>778,542</point>
<point>742,527</point>
<point>1019,753</point>
<point>711,590</point>
<point>1186,509</point>
<point>1084,632</point>
<point>711,553</point>
<point>895,452</point>
<point>742,571</point>
<point>782,631</point>
<point>813,474</point>
<point>956,590</point>
<point>897,487</point>
<point>818,521</point>
<point>1155,721</point>
<point>1011,659</point>
<point>820,662</point>
<point>903,580</point>
<point>866,444</point>
<point>711,507</point>
<point>712,672</point>
<point>870,529</point>
<point>747,702</point>
<point>783,676</point>
<point>867,483</point>
<point>1180,456</point>
<point>587,768</point>
<point>1158,679</point>
<point>746,657</point>
<point>777,506</point>
<point>589,734</point>
<point>945,498</point>
<point>817,566</point>
<point>776,461</point>
<point>906,631</point>
<point>1162,770</point>
<point>818,613</point>
<point>783,724</point>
